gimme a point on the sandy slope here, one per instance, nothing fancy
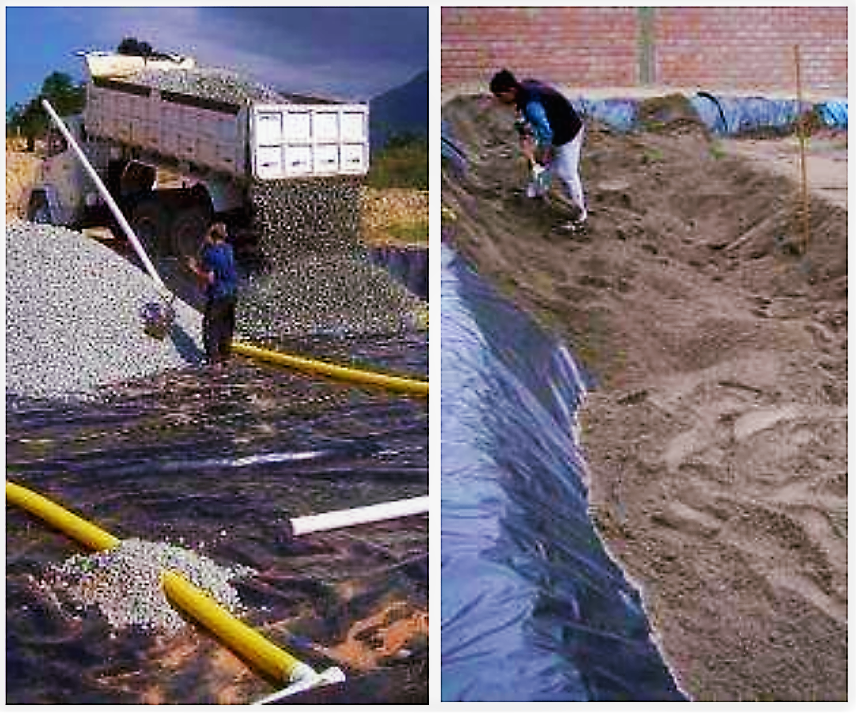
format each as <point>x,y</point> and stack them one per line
<point>716,436</point>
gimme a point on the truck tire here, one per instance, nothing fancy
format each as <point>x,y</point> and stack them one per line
<point>150,222</point>
<point>188,230</point>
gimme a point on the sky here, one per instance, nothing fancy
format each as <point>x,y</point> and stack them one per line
<point>346,53</point>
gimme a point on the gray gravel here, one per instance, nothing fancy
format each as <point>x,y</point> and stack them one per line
<point>124,582</point>
<point>208,83</point>
<point>331,295</point>
<point>73,320</point>
<point>320,279</point>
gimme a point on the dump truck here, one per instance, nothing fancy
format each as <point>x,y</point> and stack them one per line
<point>217,140</point>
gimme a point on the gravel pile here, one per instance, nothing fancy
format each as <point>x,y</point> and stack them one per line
<point>208,83</point>
<point>331,295</point>
<point>319,279</point>
<point>73,319</point>
<point>124,582</point>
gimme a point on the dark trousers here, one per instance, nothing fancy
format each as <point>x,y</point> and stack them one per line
<point>218,326</point>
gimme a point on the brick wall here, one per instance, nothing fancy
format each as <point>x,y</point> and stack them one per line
<point>737,48</point>
<point>597,45</point>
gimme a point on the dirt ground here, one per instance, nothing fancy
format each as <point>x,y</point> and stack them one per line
<point>716,434</point>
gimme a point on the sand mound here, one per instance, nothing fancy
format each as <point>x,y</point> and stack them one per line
<point>716,435</point>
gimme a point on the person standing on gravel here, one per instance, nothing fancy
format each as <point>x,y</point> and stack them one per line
<point>557,133</point>
<point>216,270</point>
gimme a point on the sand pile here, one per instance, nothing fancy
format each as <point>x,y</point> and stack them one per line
<point>716,435</point>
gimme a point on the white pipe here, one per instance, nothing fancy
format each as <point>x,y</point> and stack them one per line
<point>358,516</point>
<point>105,194</point>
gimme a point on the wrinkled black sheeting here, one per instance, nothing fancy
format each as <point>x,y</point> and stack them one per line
<point>533,609</point>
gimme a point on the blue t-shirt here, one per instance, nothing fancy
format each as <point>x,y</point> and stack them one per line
<point>220,259</point>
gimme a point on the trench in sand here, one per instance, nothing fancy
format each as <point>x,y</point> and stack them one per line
<point>716,435</point>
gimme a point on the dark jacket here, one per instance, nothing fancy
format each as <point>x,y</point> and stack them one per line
<point>565,123</point>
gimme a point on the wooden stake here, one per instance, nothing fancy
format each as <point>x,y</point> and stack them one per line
<point>803,173</point>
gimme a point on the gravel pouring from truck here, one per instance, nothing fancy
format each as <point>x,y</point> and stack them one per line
<point>224,136</point>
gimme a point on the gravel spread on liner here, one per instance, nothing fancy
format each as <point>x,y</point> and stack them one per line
<point>124,582</point>
<point>73,320</point>
<point>341,296</point>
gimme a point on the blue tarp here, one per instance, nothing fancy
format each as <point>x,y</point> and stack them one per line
<point>722,115</point>
<point>533,609</point>
<point>834,113</point>
<point>618,114</point>
<point>740,115</point>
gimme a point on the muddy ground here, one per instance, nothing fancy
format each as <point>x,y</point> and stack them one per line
<point>716,433</point>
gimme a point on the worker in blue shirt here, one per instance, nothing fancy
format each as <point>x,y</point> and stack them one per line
<point>218,275</point>
<point>556,135</point>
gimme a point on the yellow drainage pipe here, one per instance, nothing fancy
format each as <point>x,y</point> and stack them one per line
<point>393,383</point>
<point>76,527</point>
<point>247,643</point>
<point>254,648</point>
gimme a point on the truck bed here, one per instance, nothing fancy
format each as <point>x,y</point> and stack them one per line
<point>246,139</point>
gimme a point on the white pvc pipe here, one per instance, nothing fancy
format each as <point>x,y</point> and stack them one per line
<point>105,194</point>
<point>358,516</point>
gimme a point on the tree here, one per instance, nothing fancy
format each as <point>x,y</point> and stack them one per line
<point>133,46</point>
<point>29,121</point>
<point>64,95</point>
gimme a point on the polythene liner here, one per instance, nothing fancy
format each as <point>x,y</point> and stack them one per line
<point>219,462</point>
<point>533,609</point>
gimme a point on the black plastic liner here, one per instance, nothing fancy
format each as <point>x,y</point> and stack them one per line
<point>533,608</point>
<point>217,462</point>
<point>407,264</point>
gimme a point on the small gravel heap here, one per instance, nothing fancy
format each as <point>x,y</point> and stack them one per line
<point>124,582</point>
<point>73,320</point>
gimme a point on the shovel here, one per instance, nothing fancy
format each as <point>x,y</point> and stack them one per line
<point>158,318</point>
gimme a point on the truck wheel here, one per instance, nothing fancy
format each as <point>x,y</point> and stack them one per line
<point>188,230</point>
<point>150,222</point>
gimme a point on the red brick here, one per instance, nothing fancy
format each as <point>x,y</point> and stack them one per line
<point>739,47</point>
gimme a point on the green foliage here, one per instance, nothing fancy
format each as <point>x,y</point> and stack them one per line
<point>410,233</point>
<point>65,96</point>
<point>402,163</point>
<point>717,150</point>
<point>31,121</point>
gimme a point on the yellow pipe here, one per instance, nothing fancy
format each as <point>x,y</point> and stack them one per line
<point>393,383</point>
<point>246,642</point>
<point>72,525</point>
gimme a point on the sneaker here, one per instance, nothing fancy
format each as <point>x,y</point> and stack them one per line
<point>534,191</point>
<point>573,226</point>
